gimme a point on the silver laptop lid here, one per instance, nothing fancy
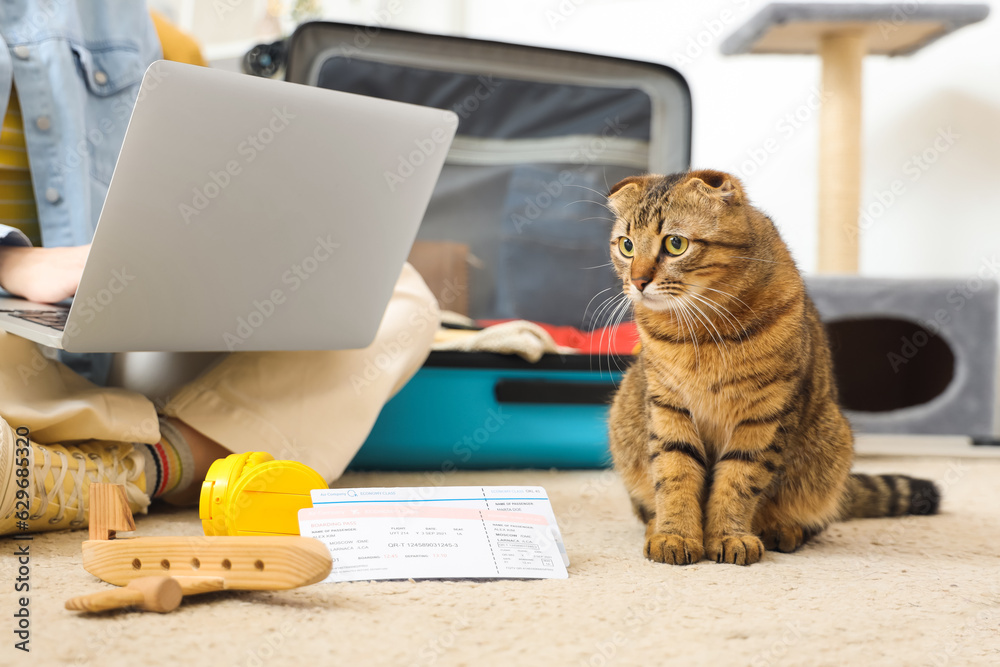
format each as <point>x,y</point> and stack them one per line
<point>253,214</point>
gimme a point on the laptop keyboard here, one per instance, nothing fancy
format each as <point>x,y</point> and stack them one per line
<point>56,319</point>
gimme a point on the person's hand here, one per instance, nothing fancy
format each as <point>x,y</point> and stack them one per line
<point>46,275</point>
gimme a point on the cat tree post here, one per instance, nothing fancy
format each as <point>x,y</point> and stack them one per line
<point>842,34</point>
<point>840,151</point>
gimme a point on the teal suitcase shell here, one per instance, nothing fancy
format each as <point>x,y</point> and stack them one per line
<point>475,411</point>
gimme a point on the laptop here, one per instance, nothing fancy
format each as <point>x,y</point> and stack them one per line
<point>248,214</point>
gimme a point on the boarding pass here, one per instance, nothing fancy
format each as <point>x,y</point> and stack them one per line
<point>436,532</point>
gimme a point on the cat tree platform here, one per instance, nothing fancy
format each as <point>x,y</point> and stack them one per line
<point>842,34</point>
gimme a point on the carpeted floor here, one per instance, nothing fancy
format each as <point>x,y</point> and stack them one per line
<point>911,591</point>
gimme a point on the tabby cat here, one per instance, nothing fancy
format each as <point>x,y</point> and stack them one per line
<point>726,428</point>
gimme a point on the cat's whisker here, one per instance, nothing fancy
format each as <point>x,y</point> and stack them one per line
<point>756,259</point>
<point>724,312</point>
<point>674,318</point>
<point>605,307</point>
<point>597,312</point>
<point>597,325</point>
<point>731,296</point>
<point>590,201</point>
<point>592,301</point>
<point>609,306</point>
<point>716,336</point>
<point>617,317</point>
<point>614,296</point>
<point>728,346</point>
<point>588,268</point>
<point>694,336</point>
<point>703,319</point>
<point>594,324</point>
<point>602,195</point>
<point>691,331</point>
<point>719,282</point>
<point>728,294</point>
<point>729,318</point>
<point>692,315</point>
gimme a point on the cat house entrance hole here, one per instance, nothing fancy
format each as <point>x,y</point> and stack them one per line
<point>884,364</point>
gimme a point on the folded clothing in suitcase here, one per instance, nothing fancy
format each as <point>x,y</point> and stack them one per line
<point>542,135</point>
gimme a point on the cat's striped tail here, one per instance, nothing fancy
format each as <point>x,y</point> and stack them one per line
<point>889,495</point>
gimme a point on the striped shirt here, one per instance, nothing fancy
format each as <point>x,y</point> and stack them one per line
<point>17,200</point>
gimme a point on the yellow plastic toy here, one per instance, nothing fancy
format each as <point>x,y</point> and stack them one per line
<point>252,494</point>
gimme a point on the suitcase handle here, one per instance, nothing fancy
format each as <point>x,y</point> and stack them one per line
<point>554,393</point>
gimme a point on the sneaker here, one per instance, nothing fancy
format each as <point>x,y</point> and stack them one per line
<point>59,479</point>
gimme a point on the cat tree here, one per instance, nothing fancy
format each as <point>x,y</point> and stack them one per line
<point>842,35</point>
<point>907,360</point>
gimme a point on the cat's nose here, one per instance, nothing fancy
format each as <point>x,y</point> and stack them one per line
<point>641,282</point>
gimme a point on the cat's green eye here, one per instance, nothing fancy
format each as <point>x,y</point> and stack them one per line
<point>625,245</point>
<point>675,245</point>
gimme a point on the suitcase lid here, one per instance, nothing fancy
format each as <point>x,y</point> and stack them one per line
<point>542,135</point>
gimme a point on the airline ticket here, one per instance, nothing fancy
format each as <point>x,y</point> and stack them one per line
<point>436,532</point>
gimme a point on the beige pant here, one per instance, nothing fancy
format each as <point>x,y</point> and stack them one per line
<point>313,407</point>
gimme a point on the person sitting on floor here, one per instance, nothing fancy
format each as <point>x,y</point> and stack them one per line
<point>68,85</point>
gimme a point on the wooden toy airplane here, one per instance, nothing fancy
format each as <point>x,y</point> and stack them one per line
<point>198,564</point>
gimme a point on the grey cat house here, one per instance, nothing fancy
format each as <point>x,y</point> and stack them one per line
<point>913,356</point>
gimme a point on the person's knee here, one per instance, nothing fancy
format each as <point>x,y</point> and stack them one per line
<point>408,329</point>
<point>421,315</point>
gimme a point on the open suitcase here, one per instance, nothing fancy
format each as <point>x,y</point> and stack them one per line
<point>542,135</point>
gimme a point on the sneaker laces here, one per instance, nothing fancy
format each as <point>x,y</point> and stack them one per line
<point>118,473</point>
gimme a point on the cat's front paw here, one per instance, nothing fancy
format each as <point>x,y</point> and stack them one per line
<point>738,549</point>
<point>673,549</point>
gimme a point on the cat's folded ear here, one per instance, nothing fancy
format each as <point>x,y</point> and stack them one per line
<point>717,185</point>
<point>627,191</point>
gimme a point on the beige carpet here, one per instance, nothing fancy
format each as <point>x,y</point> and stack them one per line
<point>913,591</point>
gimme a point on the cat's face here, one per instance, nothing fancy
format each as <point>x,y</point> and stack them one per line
<point>679,238</point>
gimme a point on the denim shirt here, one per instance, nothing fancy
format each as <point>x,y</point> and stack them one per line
<point>77,68</point>
<point>77,71</point>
